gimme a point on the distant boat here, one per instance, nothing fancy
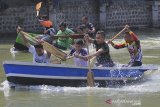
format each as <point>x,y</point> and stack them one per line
<point>26,73</point>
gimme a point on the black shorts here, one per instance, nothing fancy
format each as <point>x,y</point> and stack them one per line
<point>20,47</point>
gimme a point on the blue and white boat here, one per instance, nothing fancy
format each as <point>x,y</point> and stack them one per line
<point>26,73</point>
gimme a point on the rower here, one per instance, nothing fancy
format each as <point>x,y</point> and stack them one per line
<point>102,50</point>
<point>77,52</point>
<point>39,54</point>
<point>64,43</point>
<point>134,48</point>
<point>49,31</point>
<point>88,27</point>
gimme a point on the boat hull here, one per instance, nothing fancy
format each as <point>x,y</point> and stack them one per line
<point>61,75</point>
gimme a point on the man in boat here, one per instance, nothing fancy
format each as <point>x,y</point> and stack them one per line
<point>134,47</point>
<point>102,50</point>
<point>64,43</point>
<point>78,52</point>
<point>39,54</point>
<point>19,45</point>
<point>88,27</point>
<point>49,31</point>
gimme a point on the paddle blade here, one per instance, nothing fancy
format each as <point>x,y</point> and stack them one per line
<point>53,50</point>
<point>90,79</point>
<point>38,6</point>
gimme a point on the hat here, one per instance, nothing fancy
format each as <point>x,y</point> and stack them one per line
<point>46,23</point>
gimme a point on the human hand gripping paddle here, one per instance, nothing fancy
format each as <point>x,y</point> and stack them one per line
<point>38,7</point>
<point>90,74</point>
<point>48,47</point>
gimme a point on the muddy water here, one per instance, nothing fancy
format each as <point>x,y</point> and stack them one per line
<point>144,93</point>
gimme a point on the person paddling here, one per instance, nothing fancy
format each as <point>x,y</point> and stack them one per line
<point>133,45</point>
<point>102,50</point>
<point>78,52</point>
<point>64,43</point>
<point>39,54</point>
<point>49,31</point>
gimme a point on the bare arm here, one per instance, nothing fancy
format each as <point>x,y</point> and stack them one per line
<point>97,53</point>
<point>117,46</point>
<point>26,43</point>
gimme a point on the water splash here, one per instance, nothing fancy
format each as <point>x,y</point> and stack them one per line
<point>149,84</point>
<point>5,88</point>
<point>13,52</point>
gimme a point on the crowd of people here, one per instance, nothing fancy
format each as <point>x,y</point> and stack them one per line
<point>77,47</point>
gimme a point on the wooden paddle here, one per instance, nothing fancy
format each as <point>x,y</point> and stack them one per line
<point>38,7</point>
<point>48,47</point>
<point>73,36</point>
<point>117,34</point>
<point>90,75</point>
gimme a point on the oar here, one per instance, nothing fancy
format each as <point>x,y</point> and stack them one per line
<point>48,47</point>
<point>73,36</point>
<point>38,6</point>
<point>117,34</point>
<point>90,74</point>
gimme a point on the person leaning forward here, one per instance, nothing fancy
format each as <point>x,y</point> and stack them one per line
<point>132,43</point>
<point>102,50</point>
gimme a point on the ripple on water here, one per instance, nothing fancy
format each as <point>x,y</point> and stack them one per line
<point>150,83</point>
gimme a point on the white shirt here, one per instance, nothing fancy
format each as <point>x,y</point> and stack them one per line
<point>38,59</point>
<point>78,61</point>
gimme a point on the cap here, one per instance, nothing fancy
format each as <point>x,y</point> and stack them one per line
<point>47,23</point>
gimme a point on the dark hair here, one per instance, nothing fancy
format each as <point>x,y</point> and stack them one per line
<point>63,24</point>
<point>102,33</point>
<point>79,42</point>
<point>38,46</point>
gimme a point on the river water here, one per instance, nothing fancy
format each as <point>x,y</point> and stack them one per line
<point>144,93</point>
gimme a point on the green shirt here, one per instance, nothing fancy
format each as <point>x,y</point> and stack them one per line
<point>20,40</point>
<point>65,42</point>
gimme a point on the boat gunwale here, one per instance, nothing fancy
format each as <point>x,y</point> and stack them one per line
<point>144,67</point>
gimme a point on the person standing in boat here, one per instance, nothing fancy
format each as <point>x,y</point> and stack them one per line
<point>64,43</point>
<point>88,27</point>
<point>78,52</point>
<point>49,31</point>
<point>133,45</point>
<point>102,50</point>
<point>39,54</point>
